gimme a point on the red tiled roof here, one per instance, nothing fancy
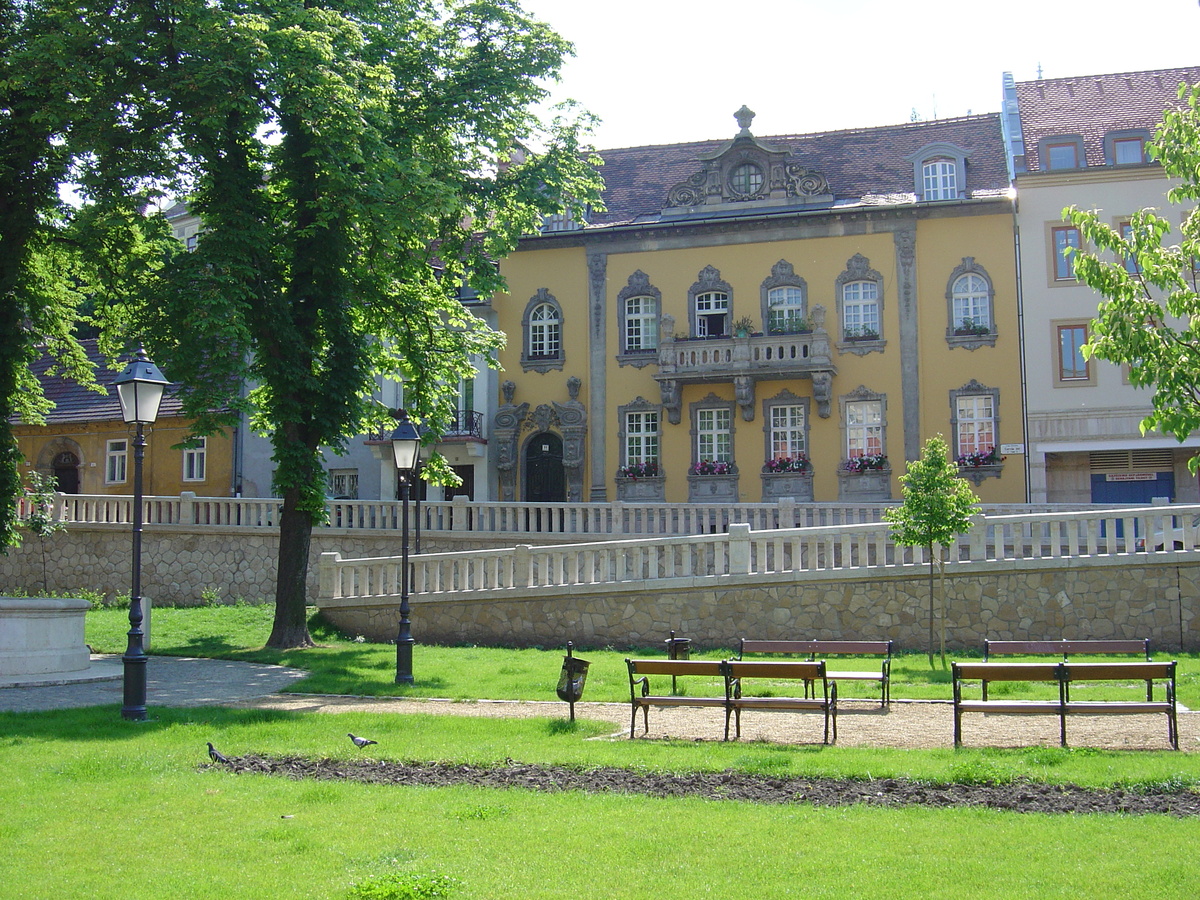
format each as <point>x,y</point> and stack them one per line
<point>859,163</point>
<point>74,403</point>
<point>1092,106</point>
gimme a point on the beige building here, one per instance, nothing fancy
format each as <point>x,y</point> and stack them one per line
<point>1081,142</point>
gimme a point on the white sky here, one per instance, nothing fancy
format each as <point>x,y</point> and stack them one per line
<point>669,71</point>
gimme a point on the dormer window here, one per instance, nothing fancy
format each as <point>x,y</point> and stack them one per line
<point>746,180</point>
<point>1065,152</point>
<point>1125,148</point>
<point>939,171</point>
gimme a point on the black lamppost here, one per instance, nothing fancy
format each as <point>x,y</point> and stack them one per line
<point>140,389</point>
<point>406,451</point>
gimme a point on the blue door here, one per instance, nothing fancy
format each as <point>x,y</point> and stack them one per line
<point>1132,493</point>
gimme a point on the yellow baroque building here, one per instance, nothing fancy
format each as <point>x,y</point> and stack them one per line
<point>754,319</point>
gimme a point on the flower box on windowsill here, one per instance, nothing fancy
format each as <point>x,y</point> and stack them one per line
<point>977,474</point>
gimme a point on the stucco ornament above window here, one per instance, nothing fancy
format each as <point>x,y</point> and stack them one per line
<point>747,170</point>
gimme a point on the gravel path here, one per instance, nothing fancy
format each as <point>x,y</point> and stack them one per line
<point>861,723</point>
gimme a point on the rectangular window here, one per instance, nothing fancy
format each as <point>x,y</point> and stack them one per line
<point>1129,150</point>
<point>1130,262</point>
<point>860,309</point>
<point>864,428</point>
<point>976,424</point>
<point>1062,156</point>
<point>787,431</point>
<point>940,180</point>
<point>116,462</point>
<point>641,437</point>
<point>1064,238</point>
<point>1072,366</point>
<point>194,459</point>
<point>343,484</point>
<point>714,440</point>
<point>712,314</point>
<point>641,325</point>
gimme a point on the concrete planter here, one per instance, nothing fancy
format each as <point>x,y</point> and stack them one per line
<point>869,484</point>
<point>649,488</point>
<point>712,488</point>
<point>42,636</point>
<point>797,485</point>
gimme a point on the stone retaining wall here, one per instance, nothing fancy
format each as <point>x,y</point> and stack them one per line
<point>1040,599</point>
<point>1098,597</point>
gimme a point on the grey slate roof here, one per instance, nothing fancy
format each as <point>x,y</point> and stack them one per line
<point>1092,106</point>
<point>73,403</point>
<point>864,166</point>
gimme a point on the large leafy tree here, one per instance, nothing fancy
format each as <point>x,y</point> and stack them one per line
<point>353,164</point>
<point>73,108</point>
<point>938,505</point>
<point>1149,319</point>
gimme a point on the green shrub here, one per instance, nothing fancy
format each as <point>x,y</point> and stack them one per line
<point>405,886</point>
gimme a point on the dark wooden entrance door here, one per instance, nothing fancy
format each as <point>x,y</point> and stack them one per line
<point>545,480</point>
<point>66,472</point>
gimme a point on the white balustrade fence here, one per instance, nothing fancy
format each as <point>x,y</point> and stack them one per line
<point>742,551</point>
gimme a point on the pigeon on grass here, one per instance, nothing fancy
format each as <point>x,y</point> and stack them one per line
<point>361,742</point>
<point>217,756</point>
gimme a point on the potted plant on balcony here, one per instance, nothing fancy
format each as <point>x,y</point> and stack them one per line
<point>713,481</point>
<point>868,462</point>
<point>968,327</point>
<point>743,327</point>
<point>640,481</point>
<point>856,333</point>
<point>783,323</point>
<point>787,476</point>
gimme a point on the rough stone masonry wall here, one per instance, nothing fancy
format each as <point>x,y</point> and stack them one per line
<point>1036,600</point>
<point>1130,596</point>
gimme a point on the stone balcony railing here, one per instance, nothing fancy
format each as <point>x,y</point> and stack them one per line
<point>743,360</point>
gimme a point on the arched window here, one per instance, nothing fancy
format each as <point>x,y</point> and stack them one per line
<point>860,310</point>
<point>542,328</point>
<point>709,301</point>
<point>970,305</point>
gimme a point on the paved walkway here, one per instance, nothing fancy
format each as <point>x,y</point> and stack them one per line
<point>170,681</point>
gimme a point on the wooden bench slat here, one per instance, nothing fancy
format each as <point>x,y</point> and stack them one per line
<point>823,648</point>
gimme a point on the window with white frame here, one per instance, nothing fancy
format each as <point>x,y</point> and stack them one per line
<point>116,462</point>
<point>712,314</point>
<point>971,300</point>
<point>195,460</point>
<point>939,179</point>
<point>860,310</point>
<point>785,310</point>
<point>976,424</point>
<point>864,428</point>
<point>641,437</point>
<point>641,324</point>
<point>545,331</point>
<point>788,432</point>
<point>714,436</point>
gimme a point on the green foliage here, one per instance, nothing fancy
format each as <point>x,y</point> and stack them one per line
<point>40,506</point>
<point>1149,319</point>
<point>405,886</point>
<point>937,506</point>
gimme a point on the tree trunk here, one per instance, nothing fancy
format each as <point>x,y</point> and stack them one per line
<point>929,549</point>
<point>290,628</point>
<point>942,599</point>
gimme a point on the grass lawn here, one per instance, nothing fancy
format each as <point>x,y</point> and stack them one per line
<point>97,807</point>
<point>341,666</point>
